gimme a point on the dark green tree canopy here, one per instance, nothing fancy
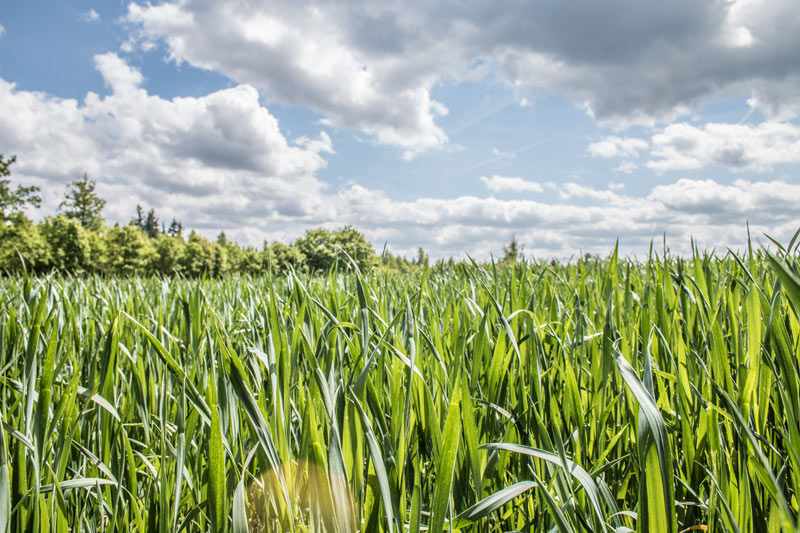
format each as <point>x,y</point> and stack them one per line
<point>83,204</point>
<point>175,229</point>
<point>12,201</point>
<point>151,224</point>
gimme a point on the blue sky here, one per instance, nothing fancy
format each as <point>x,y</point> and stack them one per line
<point>450,126</point>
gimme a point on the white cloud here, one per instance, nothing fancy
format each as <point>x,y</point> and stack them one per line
<point>617,147</point>
<point>626,167</point>
<point>2,30</point>
<point>221,162</point>
<point>215,161</point>
<point>500,153</point>
<point>574,190</point>
<point>759,200</point>
<point>503,184</point>
<point>684,146</point>
<point>305,55</point>
<point>89,16</point>
<point>738,147</point>
<point>480,226</point>
<point>372,68</point>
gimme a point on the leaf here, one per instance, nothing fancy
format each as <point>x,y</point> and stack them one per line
<point>579,473</point>
<point>447,461</point>
<point>488,505</point>
<point>217,512</point>
<point>240,509</point>
<point>5,487</point>
<point>653,432</point>
<point>377,463</point>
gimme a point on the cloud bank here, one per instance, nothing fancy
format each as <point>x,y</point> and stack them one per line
<point>221,161</point>
<point>373,68</point>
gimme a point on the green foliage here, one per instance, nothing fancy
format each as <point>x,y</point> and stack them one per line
<point>169,254</point>
<point>13,201</point>
<point>249,261</point>
<point>129,250</point>
<point>83,204</point>
<point>150,224</point>
<point>511,252</point>
<point>19,237</point>
<point>323,248</point>
<point>199,257</point>
<point>69,243</point>
<point>281,259</point>
<point>605,395</point>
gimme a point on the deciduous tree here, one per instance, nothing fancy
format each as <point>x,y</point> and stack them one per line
<point>12,201</point>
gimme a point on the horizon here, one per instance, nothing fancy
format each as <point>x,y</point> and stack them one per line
<point>451,128</point>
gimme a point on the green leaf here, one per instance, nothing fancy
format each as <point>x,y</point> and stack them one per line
<point>658,506</point>
<point>217,511</point>
<point>447,462</point>
<point>377,463</point>
<point>488,505</point>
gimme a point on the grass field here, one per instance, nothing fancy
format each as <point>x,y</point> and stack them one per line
<point>610,395</point>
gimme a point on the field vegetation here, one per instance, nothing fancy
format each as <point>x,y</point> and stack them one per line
<point>598,395</point>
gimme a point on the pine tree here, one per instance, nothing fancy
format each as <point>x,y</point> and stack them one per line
<point>151,224</point>
<point>139,220</point>
<point>83,204</point>
<point>175,229</point>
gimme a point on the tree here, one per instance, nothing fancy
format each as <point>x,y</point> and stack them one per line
<point>199,256</point>
<point>139,220</point>
<point>175,229</point>
<point>169,254</point>
<point>12,202</point>
<point>83,204</point>
<point>422,259</point>
<point>21,242</point>
<point>250,262</point>
<point>323,248</point>
<point>70,247</point>
<point>151,224</point>
<point>129,250</point>
<point>511,252</point>
<point>280,258</point>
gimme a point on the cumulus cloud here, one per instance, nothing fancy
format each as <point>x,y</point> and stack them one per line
<point>221,162</point>
<point>350,63</point>
<point>505,184</point>
<point>372,69</point>
<point>737,147</point>
<point>216,160</point>
<point>89,16</point>
<point>683,146</point>
<point>626,167</point>
<point>617,147</point>
<point>583,218</point>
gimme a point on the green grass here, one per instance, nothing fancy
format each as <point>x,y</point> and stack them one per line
<point>599,396</point>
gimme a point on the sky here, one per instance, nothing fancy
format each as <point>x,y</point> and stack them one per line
<point>452,126</point>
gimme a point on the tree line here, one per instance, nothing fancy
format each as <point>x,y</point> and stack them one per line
<point>78,240</point>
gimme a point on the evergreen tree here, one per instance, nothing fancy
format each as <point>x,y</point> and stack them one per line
<point>151,224</point>
<point>139,220</point>
<point>511,252</point>
<point>175,229</point>
<point>422,259</point>
<point>83,204</point>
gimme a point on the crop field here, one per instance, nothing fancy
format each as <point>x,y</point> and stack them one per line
<point>601,395</point>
